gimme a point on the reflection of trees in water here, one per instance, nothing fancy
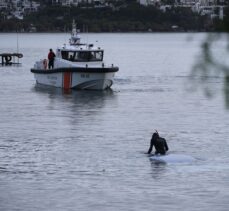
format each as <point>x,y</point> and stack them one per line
<point>211,65</point>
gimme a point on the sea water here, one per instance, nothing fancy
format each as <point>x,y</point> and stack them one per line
<point>85,150</point>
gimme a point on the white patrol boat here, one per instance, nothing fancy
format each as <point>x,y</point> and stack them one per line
<point>77,66</point>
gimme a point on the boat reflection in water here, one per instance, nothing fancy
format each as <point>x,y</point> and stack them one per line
<point>76,99</point>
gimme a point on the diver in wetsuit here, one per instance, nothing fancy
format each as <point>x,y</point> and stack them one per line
<point>159,143</point>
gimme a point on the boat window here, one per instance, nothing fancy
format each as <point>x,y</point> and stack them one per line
<point>64,54</point>
<point>71,56</point>
<point>82,56</point>
<point>97,55</point>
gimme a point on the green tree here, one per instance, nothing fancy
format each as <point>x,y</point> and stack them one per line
<point>208,65</point>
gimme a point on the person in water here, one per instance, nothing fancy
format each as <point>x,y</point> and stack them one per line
<point>159,143</point>
<point>51,57</point>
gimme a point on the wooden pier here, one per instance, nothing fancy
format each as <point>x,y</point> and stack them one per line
<point>9,59</point>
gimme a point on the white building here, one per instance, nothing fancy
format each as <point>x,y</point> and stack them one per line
<point>30,6</point>
<point>68,3</point>
<point>18,8</point>
<point>19,5</point>
<point>3,4</point>
<point>189,2</point>
<point>149,2</point>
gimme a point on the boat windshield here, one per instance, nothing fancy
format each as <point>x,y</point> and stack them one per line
<point>82,56</point>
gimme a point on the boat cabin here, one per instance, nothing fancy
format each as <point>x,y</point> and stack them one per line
<point>81,55</point>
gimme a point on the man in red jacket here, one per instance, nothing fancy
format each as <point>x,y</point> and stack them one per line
<point>51,57</point>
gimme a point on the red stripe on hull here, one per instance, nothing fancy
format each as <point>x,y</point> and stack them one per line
<point>67,82</point>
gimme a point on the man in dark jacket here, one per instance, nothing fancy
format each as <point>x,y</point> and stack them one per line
<point>159,143</point>
<point>51,57</point>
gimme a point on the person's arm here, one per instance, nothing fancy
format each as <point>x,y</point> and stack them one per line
<point>166,146</point>
<point>151,146</point>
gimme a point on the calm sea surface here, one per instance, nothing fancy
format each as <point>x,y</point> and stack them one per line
<point>84,150</point>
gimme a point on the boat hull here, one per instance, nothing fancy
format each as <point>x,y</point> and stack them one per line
<point>76,78</point>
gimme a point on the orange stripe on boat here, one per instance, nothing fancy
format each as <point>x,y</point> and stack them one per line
<point>67,80</point>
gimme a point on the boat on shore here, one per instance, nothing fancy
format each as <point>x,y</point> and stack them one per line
<point>76,66</point>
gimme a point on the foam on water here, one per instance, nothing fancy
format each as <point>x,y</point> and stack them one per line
<point>173,158</point>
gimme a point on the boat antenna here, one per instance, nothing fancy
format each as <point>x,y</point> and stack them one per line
<point>17,42</point>
<point>75,38</point>
<point>17,46</point>
<point>87,34</point>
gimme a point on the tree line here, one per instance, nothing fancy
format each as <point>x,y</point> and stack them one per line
<point>129,18</point>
